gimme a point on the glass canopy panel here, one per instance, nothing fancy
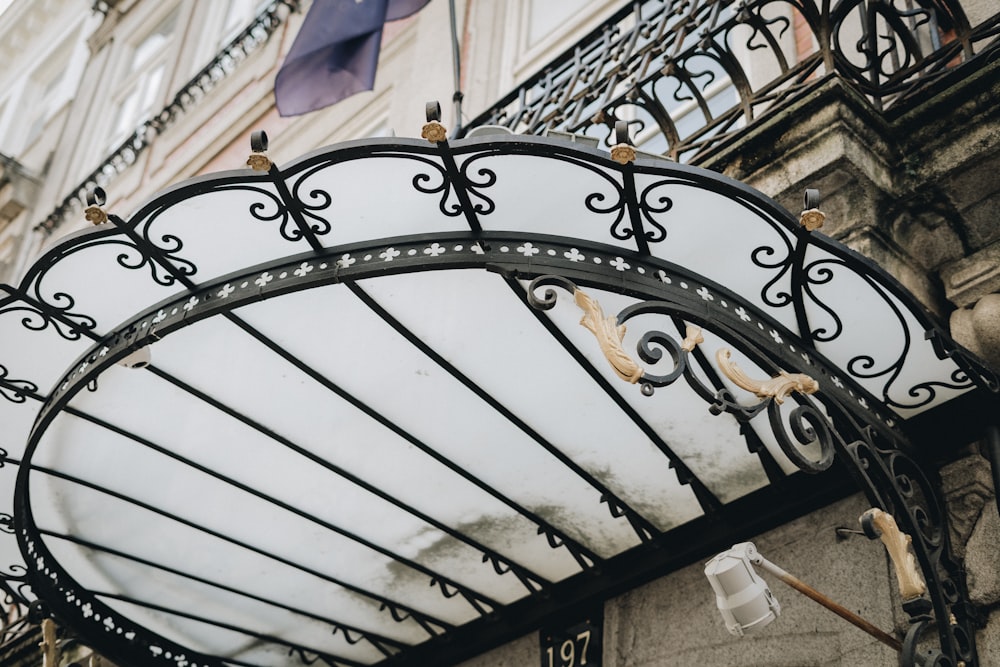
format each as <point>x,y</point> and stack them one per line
<point>223,227</point>
<point>480,325</point>
<point>172,495</point>
<point>546,195</point>
<point>124,273</point>
<point>725,240</point>
<point>185,596</point>
<point>419,397</point>
<point>183,549</point>
<point>34,350</point>
<point>875,338</point>
<point>224,362</point>
<point>389,193</point>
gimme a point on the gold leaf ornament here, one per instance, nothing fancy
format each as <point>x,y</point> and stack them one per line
<point>609,336</point>
<point>778,387</point>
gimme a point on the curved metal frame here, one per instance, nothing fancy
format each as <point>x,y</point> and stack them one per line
<point>848,423</point>
<point>876,453</point>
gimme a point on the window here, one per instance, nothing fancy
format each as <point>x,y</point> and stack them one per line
<point>141,93</point>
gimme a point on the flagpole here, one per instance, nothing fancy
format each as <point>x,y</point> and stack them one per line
<point>456,49</point>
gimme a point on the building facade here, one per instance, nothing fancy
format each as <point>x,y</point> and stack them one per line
<point>889,111</point>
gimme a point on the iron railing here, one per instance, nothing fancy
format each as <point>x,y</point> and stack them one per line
<point>225,63</point>
<point>689,74</point>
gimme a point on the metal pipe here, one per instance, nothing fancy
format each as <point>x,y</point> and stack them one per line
<point>837,609</point>
<point>456,59</point>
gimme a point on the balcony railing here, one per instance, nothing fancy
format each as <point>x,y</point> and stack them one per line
<point>689,74</point>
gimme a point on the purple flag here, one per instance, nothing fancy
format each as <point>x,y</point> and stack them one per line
<point>335,53</point>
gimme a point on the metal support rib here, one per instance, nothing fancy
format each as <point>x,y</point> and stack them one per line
<point>481,603</point>
<point>709,503</point>
<point>380,642</point>
<point>632,204</point>
<point>461,186</point>
<point>775,475</point>
<point>533,582</point>
<point>584,556</point>
<point>292,647</point>
<point>431,625</point>
<point>642,527</point>
<point>294,208</point>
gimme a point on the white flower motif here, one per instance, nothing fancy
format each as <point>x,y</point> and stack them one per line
<point>264,279</point>
<point>574,255</point>
<point>87,610</point>
<point>434,250</point>
<point>620,264</point>
<point>527,249</point>
<point>191,303</point>
<point>838,382</point>
<point>664,278</point>
<point>109,623</point>
<point>389,254</point>
<point>345,261</point>
<point>159,317</point>
<point>226,290</point>
<point>705,294</point>
<point>742,312</point>
<point>776,336</point>
<point>304,268</point>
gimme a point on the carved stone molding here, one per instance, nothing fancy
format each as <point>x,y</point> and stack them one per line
<point>967,487</point>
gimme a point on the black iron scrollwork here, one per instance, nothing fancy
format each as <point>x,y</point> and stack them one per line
<point>15,391</point>
<point>675,71</point>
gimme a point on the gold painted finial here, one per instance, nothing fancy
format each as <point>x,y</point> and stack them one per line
<point>778,387</point>
<point>434,132</point>
<point>811,217</point>
<point>609,336</point>
<point>95,215</point>
<point>258,160</point>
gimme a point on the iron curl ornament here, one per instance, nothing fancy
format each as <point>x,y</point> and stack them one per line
<point>797,431</point>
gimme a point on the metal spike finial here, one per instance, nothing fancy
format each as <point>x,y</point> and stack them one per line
<point>258,160</point>
<point>433,131</point>
<point>623,152</point>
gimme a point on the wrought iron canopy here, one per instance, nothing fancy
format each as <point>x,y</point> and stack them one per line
<point>345,411</point>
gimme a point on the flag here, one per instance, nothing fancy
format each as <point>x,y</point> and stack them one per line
<point>335,53</point>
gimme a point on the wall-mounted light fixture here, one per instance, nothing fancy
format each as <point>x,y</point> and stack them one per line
<point>747,603</point>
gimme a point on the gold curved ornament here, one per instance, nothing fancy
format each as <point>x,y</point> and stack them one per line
<point>898,544</point>
<point>609,336</point>
<point>434,132</point>
<point>692,338</point>
<point>778,387</point>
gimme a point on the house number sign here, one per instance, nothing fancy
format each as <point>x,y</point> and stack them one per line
<point>577,643</point>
